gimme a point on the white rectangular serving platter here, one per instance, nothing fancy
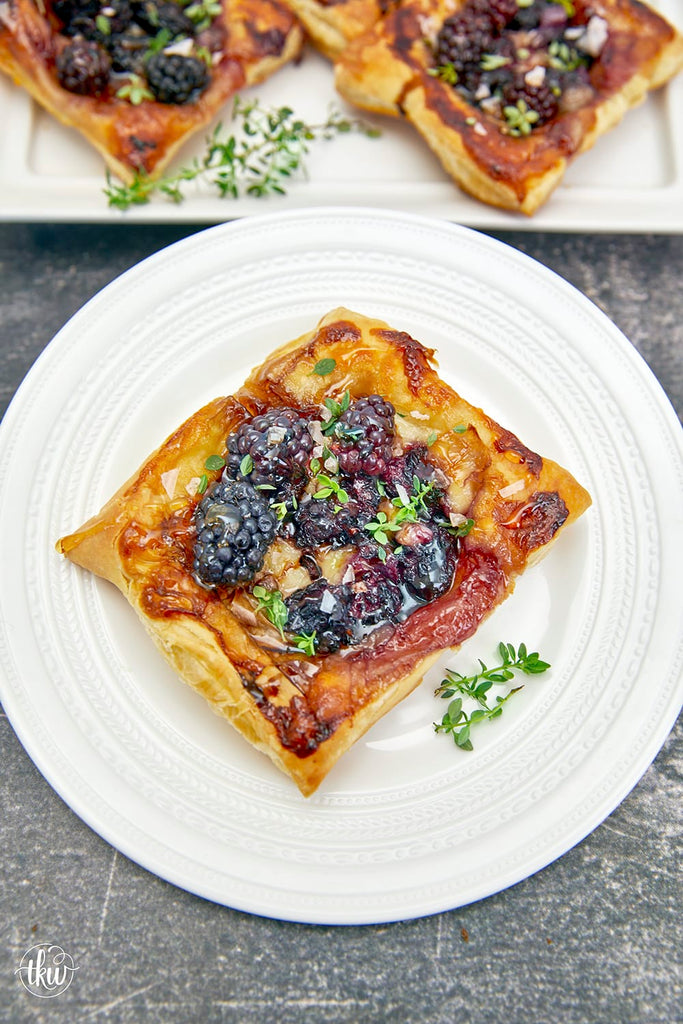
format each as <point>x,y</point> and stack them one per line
<point>632,181</point>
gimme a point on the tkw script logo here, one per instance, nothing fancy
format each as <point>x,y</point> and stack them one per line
<point>46,970</point>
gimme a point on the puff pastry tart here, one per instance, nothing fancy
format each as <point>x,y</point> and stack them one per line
<point>304,550</point>
<point>138,77</point>
<point>331,24</point>
<point>507,92</point>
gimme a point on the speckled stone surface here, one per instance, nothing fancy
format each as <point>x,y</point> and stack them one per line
<point>594,937</point>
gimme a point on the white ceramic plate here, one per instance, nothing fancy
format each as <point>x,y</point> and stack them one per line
<point>406,824</point>
<point>631,181</point>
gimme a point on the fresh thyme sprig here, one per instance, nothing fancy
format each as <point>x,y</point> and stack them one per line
<point>457,722</point>
<point>266,148</point>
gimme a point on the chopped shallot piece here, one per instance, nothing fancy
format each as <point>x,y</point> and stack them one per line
<point>315,430</point>
<point>506,492</point>
<point>456,518</point>
<point>403,494</point>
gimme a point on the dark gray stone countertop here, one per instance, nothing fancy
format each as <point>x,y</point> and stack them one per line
<point>594,937</point>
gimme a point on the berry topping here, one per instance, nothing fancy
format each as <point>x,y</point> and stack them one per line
<point>402,471</point>
<point>83,67</point>
<point>130,37</point>
<point>176,79</point>
<point>343,483</point>
<point>272,450</point>
<point>234,530</point>
<point>94,20</point>
<point>516,61</point>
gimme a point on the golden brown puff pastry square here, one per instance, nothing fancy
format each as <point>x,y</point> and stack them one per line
<point>303,550</point>
<point>138,77</point>
<point>507,92</point>
<point>331,24</point>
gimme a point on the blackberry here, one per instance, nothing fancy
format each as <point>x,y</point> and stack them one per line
<point>470,33</point>
<point>279,446</point>
<point>537,97</point>
<point>501,12</point>
<point>461,41</point>
<point>427,568</point>
<point>363,436</point>
<point>85,28</point>
<point>155,15</point>
<point>127,52</point>
<point>234,529</point>
<point>83,67</point>
<point>176,79</point>
<point>316,523</point>
<point>377,598</point>
<point>322,608</point>
<point>364,492</point>
<point>404,468</point>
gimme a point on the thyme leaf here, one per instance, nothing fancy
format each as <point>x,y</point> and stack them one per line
<point>324,366</point>
<point>409,509</point>
<point>272,604</point>
<point>493,61</point>
<point>446,72</point>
